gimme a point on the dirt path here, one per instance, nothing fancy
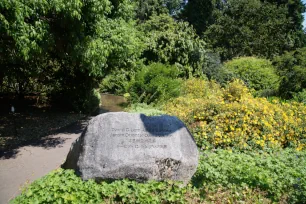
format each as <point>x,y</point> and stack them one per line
<point>32,162</point>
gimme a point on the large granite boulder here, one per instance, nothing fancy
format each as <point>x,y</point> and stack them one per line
<point>125,145</point>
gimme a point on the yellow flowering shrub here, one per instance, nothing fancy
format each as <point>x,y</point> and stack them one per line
<point>232,117</point>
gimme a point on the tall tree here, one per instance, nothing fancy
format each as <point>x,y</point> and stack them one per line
<point>174,42</point>
<point>296,8</point>
<point>70,42</point>
<point>242,27</point>
<point>147,8</point>
<point>199,13</point>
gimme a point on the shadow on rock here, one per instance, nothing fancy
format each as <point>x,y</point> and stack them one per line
<point>161,126</point>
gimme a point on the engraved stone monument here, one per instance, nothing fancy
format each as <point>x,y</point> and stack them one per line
<point>129,145</point>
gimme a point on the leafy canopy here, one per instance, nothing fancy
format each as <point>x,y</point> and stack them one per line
<point>65,45</point>
<point>170,42</point>
<point>246,28</point>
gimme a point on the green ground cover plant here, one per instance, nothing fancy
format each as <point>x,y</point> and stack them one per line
<point>63,186</point>
<point>222,176</point>
<point>281,174</point>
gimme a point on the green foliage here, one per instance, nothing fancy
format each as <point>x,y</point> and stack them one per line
<point>214,70</point>
<point>148,8</point>
<point>39,29</point>
<point>89,103</point>
<point>249,25</point>
<point>117,44</point>
<point>155,83</point>
<point>77,93</point>
<point>144,108</point>
<point>221,176</point>
<point>281,174</point>
<point>237,28</point>
<point>231,117</point>
<point>174,6</point>
<point>116,82</point>
<point>124,9</point>
<point>172,42</point>
<point>300,96</point>
<point>199,13</point>
<point>57,43</point>
<point>63,186</point>
<point>295,10</point>
<point>258,74</point>
<point>292,69</point>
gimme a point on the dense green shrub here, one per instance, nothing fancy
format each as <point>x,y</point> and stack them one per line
<point>77,93</point>
<point>44,44</point>
<point>174,42</point>
<point>155,83</point>
<point>281,174</point>
<point>300,96</point>
<point>213,69</point>
<point>258,74</point>
<point>292,69</point>
<point>83,101</point>
<point>116,82</point>
<point>91,101</point>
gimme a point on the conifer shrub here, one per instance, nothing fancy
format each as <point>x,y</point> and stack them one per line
<point>291,67</point>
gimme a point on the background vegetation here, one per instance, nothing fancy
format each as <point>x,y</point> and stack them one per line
<point>60,48</point>
<point>234,71</point>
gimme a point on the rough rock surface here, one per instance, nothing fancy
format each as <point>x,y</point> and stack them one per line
<point>125,145</point>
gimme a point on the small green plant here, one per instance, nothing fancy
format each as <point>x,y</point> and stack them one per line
<point>222,175</point>
<point>300,96</point>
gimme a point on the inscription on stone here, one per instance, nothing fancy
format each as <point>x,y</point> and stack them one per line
<point>135,146</point>
<point>138,138</point>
